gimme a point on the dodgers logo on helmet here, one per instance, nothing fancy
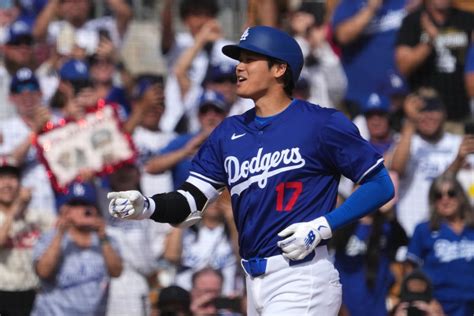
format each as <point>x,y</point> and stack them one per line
<point>270,42</point>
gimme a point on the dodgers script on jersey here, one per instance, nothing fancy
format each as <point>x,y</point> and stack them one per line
<point>283,171</point>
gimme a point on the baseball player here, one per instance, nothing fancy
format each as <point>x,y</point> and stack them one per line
<point>281,162</point>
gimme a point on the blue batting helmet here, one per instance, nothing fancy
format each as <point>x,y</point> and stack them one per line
<point>270,42</point>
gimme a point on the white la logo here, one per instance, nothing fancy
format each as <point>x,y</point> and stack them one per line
<point>245,34</point>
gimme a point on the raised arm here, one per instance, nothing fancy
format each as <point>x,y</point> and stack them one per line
<point>401,153</point>
<point>123,14</point>
<point>409,58</point>
<point>40,29</point>
<point>350,30</point>
<point>47,264</point>
<point>167,161</point>
<point>167,28</point>
<point>210,32</point>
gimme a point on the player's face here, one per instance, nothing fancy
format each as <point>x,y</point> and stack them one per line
<point>254,77</point>
<point>447,201</point>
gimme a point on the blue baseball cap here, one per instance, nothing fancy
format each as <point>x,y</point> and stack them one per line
<point>212,99</point>
<point>144,82</point>
<point>375,103</point>
<point>73,70</point>
<point>24,80</point>
<point>393,84</point>
<point>221,72</point>
<point>20,32</point>
<point>78,193</point>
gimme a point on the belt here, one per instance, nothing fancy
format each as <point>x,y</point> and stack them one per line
<point>255,267</point>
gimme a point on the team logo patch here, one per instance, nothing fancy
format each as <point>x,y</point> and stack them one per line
<point>244,35</point>
<point>308,241</point>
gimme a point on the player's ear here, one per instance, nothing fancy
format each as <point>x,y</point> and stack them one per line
<point>279,70</point>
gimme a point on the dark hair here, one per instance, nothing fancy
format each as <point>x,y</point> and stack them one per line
<point>288,84</point>
<point>201,7</point>
<point>465,210</point>
<point>376,240</point>
<point>205,270</point>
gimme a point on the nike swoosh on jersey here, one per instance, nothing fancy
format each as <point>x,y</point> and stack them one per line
<point>234,136</point>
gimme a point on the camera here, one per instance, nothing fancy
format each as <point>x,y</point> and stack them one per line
<point>232,304</point>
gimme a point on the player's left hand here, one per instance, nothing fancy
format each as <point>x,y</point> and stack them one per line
<point>303,237</point>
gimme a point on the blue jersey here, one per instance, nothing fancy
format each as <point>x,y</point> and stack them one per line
<point>447,258</point>
<point>283,171</point>
<point>374,49</point>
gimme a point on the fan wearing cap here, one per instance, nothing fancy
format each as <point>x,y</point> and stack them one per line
<point>281,162</point>
<point>20,227</point>
<point>31,116</point>
<point>178,154</point>
<point>374,125</point>
<point>17,53</point>
<point>148,137</point>
<point>423,152</point>
<point>190,51</point>
<point>76,260</point>
<point>220,77</point>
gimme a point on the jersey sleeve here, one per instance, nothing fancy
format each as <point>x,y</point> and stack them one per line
<point>346,152</point>
<point>207,166</point>
<point>415,246</point>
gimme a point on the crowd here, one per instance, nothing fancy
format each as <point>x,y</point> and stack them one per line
<point>403,71</point>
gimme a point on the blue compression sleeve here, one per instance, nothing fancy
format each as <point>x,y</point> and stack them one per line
<point>375,191</point>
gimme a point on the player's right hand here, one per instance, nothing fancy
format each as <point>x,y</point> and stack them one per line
<point>129,205</point>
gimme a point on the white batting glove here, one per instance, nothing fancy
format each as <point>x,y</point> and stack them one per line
<point>130,205</point>
<point>302,238</point>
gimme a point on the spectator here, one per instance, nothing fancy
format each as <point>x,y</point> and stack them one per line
<point>444,245</point>
<point>174,300</point>
<point>423,152</point>
<point>195,16</point>
<point>431,48</point>
<point>266,12</point>
<point>17,131</point>
<point>177,155</point>
<point>322,68</point>
<point>129,293</point>
<point>20,228</point>
<point>74,15</point>
<point>416,297</point>
<point>149,139</point>
<point>374,124</point>
<point>17,53</point>
<point>207,287</point>
<point>76,260</point>
<point>220,77</point>
<point>210,243</point>
<point>366,32</point>
<point>364,253</point>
